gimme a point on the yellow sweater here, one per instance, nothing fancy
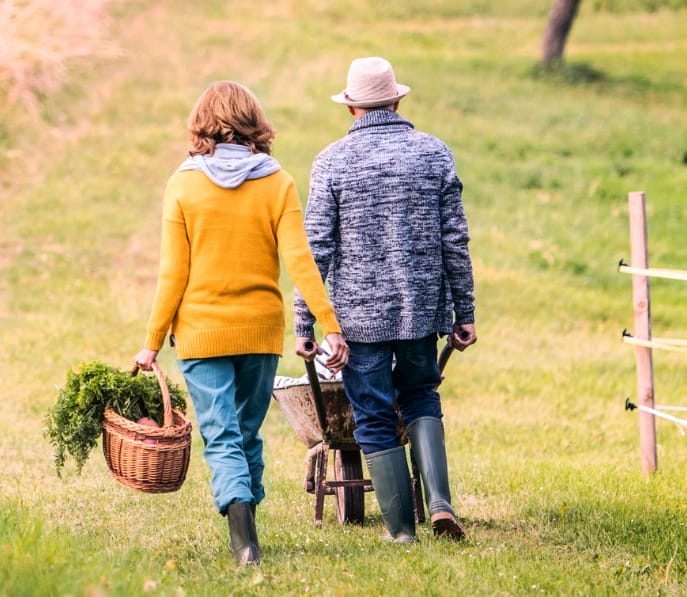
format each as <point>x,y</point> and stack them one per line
<point>218,284</point>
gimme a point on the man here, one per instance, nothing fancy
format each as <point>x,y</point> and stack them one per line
<point>387,229</point>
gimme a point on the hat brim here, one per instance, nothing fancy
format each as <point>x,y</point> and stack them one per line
<point>342,98</point>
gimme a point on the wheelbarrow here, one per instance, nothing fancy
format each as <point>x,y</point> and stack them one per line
<point>322,418</point>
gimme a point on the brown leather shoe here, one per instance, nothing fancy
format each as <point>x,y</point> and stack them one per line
<point>447,526</point>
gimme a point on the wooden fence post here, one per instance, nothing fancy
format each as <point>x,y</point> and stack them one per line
<point>642,321</point>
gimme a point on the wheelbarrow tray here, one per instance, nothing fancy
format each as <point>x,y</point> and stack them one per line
<point>297,403</point>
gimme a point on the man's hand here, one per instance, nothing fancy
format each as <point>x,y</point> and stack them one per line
<point>307,348</point>
<point>463,336</point>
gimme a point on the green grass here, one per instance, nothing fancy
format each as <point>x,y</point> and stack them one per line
<point>545,462</point>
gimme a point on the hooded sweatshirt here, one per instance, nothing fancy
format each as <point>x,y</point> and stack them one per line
<point>226,218</point>
<point>231,165</point>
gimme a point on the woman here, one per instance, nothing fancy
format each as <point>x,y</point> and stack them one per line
<point>228,212</point>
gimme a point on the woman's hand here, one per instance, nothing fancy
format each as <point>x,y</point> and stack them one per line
<point>338,358</point>
<point>145,359</point>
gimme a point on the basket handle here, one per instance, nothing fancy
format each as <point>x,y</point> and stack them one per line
<point>168,419</point>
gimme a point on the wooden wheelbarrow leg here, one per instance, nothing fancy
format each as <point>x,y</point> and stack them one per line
<point>320,480</point>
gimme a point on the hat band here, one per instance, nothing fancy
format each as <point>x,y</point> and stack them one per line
<point>357,101</point>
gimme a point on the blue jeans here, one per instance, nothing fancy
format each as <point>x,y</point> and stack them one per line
<point>372,388</point>
<point>231,396</point>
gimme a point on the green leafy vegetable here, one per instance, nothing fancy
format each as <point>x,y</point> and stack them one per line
<point>75,423</point>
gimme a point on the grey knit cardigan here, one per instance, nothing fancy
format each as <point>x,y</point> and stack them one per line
<point>387,229</point>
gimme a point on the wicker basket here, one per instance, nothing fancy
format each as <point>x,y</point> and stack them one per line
<point>148,459</point>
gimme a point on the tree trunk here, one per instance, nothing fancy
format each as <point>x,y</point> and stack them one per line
<point>558,26</point>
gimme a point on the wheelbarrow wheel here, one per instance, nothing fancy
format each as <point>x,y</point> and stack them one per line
<point>350,500</point>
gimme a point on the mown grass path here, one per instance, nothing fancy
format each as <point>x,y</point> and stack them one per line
<point>544,461</point>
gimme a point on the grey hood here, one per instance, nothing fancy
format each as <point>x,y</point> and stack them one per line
<point>231,165</point>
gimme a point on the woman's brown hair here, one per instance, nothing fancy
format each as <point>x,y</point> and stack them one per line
<point>228,112</point>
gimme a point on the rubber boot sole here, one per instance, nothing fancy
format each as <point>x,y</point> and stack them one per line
<point>448,528</point>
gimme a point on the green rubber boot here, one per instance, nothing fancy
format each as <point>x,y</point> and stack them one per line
<point>391,481</point>
<point>426,436</point>
<point>243,538</point>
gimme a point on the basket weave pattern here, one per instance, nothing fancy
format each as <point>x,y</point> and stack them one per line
<point>148,459</point>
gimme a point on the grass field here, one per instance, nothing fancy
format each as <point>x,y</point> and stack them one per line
<point>545,461</point>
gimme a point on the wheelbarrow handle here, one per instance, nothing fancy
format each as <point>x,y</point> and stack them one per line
<point>314,381</point>
<point>444,356</point>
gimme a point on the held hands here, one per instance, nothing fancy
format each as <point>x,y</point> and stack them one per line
<point>463,336</point>
<point>336,359</point>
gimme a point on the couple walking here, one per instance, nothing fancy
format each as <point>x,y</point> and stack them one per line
<point>384,227</point>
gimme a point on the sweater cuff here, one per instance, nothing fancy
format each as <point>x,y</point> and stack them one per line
<point>304,331</point>
<point>465,319</point>
<point>155,340</point>
<point>330,325</point>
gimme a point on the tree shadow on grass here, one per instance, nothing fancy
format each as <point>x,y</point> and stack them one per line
<point>566,73</point>
<point>582,74</point>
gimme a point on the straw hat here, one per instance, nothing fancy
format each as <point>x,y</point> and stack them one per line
<point>371,83</point>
